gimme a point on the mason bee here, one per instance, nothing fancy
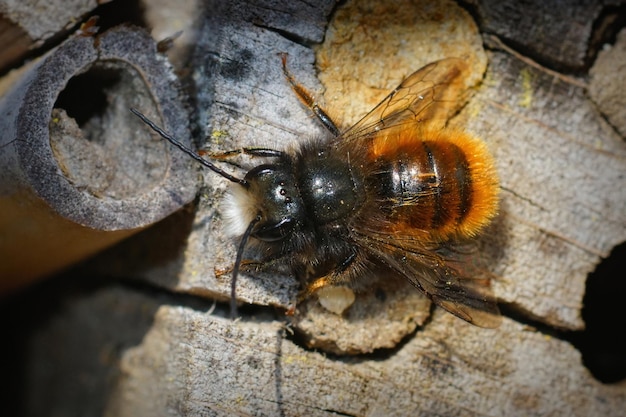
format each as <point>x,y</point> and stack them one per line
<point>395,195</point>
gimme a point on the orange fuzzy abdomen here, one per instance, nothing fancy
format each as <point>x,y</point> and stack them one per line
<point>433,185</point>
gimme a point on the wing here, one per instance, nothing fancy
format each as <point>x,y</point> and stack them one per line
<point>445,275</point>
<point>428,95</point>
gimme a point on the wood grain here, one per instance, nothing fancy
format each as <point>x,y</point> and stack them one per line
<point>26,25</point>
<point>562,168</point>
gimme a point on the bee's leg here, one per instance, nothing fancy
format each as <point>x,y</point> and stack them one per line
<point>306,98</point>
<point>255,265</point>
<point>341,274</point>
<point>246,265</point>
<point>314,286</point>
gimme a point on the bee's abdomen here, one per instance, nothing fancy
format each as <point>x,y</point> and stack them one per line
<point>437,187</point>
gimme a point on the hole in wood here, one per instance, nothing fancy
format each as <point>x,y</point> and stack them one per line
<point>118,12</point>
<point>602,343</point>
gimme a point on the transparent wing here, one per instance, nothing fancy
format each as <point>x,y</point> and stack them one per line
<point>445,275</point>
<point>429,95</point>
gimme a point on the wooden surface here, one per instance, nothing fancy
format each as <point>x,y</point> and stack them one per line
<point>26,25</point>
<point>155,354</point>
<point>562,168</point>
<point>563,35</point>
<point>249,368</point>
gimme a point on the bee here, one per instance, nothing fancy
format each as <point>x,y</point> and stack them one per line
<point>395,195</point>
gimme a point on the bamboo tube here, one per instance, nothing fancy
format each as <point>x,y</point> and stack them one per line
<point>79,171</point>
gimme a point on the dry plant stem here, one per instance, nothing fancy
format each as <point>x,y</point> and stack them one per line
<point>71,187</point>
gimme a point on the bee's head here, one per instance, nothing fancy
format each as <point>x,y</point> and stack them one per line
<point>279,203</point>
<point>265,204</point>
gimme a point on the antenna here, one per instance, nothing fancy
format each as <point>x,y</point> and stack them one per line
<point>212,167</point>
<point>238,259</point>
<point>188,151</point>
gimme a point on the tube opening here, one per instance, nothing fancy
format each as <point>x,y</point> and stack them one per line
<point>97,142</point>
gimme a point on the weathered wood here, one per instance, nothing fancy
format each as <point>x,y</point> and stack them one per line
<point>119,352</point>
<point>27,24</point>
<point>562,168</point>
<point>72,362</point>
<point>559,163</point>
<point>607,82</point>
<point>564,35</point>
<point>191,363</point>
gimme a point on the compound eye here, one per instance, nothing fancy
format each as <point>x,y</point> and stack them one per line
<point>272,232</point>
